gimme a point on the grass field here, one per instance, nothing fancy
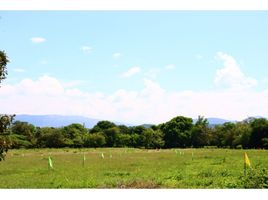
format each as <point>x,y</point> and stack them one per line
<point>128,168</point>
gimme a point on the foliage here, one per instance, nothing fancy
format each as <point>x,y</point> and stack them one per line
<point>94,140</point>
<point>102,125</point>
<point>5,120</point>
<point>152,139</point>
<point>256,178</point>
<point>52,138</point>
<point>74,134</point>
<point>200,134</point>
<point>3,62</point>
<point>110,135</point>
<point>122,140</point>
<point>177,132</point>
<point>259,131</point>
<point>23,131</point>
<point>5,142</point>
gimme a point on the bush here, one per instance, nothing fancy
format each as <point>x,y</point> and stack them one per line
<point>256,178</point>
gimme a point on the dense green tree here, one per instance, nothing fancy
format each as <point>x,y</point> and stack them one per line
<point>101,126</point>
<point>177,132</point>
<point>228,129</point>
<point>110,135</point>
<point>75,133</point>
<point>200,134</point>
<point>152,139</point>
<point>94,140</point>
<point>26,130</point>
<point>20,141</point>
<point>224,134</point>
<point>3,62</point>
<point>259,132</point>
<point>52,138</point>
<point>122,140</point>
<point>137,129</point>
<point>5,140</point>
<point>135,140</point>
<point>5,120</point>
<point>124,129</point>
<point>242,132</point>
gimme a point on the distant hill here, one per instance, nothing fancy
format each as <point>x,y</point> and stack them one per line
<point>56,120</point>
<point>214,121</point>
<point>61,120</point>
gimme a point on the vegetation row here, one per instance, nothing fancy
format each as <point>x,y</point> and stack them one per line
<point>179,132</point>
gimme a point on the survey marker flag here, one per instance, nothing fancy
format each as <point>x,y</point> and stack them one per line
<point>246,163</point>
<point>50,163</point>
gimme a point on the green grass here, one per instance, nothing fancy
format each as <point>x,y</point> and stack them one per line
<point>127,168</point>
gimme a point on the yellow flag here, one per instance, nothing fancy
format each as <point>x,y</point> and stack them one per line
<point>246,160</point>
<point>50,163</point>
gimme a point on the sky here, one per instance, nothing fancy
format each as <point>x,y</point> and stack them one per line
<point>136,66</point>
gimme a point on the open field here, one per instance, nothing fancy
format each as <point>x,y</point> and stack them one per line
<point>128,168</point>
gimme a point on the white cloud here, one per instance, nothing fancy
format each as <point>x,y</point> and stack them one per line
<point>230,75</point>
<point>170,66</point>
<point>38,40</point>
<point>117,55</point>
<point>86,49</point>
<point>131,71</point>
<point>264,80</point>
<point>19,70</point>
<point>152,104</point>
<point>45,85</point>
<point>152,73</point>
<point>74,83</point>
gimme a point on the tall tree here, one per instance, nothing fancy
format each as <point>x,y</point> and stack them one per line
<point>152,139</point>
<point>200,134</point>
<point>177,132</point>
<point>24,129</point>
<point>75,133</point>
<point>3,62</point>
<point>5,120</point>
<point>259,133</point>
<point>101,126</point>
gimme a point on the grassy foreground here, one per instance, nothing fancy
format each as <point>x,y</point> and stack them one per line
<point>128,168</point>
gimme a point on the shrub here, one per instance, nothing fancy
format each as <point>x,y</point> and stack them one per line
<point>256,178</point>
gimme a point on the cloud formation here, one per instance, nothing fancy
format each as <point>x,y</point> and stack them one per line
<point>151,104</point>
<point>230,75</point>
<point>86,49</point>
<point>117,55</point>
<point>131,71</point>
<point>170,66</point>
<point>37,40</point>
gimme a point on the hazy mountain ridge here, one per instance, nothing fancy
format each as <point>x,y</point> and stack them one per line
<point>61,120</point>
<point>56,120</point>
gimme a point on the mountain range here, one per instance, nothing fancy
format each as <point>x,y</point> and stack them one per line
<point>61,120</point>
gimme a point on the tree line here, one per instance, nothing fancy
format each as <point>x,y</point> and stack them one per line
<point>179,132</point>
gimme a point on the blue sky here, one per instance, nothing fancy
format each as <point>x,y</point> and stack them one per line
<point>142,66</point>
